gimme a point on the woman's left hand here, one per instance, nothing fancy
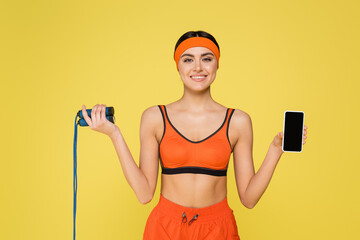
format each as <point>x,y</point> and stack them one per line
<point>277,142</point>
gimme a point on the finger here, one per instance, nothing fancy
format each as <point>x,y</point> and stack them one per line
<point>103,116</point>
<point>98,113</point>
<point>86,117</point>
<point>101,112</point>
<point>84,111</point>
<point>93,115</point>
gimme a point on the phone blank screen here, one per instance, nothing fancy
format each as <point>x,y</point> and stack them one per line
<point>293,131</point>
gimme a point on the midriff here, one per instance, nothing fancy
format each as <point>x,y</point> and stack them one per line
<point>193,190</point>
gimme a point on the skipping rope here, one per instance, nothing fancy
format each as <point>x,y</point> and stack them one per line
<point>110,116</point>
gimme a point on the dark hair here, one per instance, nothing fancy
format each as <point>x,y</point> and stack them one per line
<point>191,34</point>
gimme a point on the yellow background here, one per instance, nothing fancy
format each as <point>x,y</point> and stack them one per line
<point>275,56</point>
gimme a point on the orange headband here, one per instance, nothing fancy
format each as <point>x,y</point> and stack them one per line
<point>195,42</point>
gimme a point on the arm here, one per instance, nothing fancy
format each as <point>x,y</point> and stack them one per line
<point>142,179</point>
<point>260,181</point>
<point>251,186</point>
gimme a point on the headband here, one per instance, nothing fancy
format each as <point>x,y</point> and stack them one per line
<point>195,42</point>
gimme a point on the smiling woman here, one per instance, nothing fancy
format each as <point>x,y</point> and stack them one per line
<point>193,138</point>
<point>194,167</point>
<point>198,65</point>
<point>197,58</point>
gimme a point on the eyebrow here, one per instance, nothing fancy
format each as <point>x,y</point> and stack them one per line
<point>190,55</point>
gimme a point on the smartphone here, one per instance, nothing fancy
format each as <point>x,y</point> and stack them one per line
<point>293,131</point>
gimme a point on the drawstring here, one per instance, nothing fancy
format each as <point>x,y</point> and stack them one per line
<point>194,218</point>
<point>191,221</point>
<point>184,217</point>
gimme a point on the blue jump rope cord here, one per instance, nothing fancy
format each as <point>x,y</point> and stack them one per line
<point>75,174</point>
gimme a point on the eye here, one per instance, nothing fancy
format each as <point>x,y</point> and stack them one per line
<point>208,59</point>
<point>186,59</point>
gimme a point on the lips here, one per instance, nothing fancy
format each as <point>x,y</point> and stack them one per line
<point>198,77</point>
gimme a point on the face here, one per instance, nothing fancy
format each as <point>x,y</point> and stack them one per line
<point>197,67</point>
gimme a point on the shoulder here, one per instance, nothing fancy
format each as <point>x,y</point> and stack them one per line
<point>240,116</point>
<point>240,121</point>
<point>152,120</point>
<point>151,111</point>
<point>152,115</point>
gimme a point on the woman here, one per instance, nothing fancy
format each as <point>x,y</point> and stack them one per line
<point>194,138</point>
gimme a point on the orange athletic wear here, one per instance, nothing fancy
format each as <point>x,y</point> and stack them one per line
<point>196,42</point>
<point>179,154</point>
<point>170,221</point>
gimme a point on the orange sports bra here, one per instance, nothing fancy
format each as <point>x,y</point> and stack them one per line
<point>209,156</point>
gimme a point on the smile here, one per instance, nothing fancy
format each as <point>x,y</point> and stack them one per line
<point>198,77</point>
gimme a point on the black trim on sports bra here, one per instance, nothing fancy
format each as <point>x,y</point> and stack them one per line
<point>189,139</point>
<point>162,114</point>
<point>201,170</point>
<point>227,129</point>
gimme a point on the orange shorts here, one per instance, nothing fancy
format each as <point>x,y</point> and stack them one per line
<point>169,220</point>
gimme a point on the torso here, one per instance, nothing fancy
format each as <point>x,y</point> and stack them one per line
<point>187,189</point>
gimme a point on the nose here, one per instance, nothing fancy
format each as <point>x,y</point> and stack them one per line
<point>198,65</point>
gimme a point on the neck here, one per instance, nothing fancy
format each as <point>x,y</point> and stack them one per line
<point>197,101</point>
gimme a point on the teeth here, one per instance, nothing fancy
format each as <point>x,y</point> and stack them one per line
<point>199,77</point>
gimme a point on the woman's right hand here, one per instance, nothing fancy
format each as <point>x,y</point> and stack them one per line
<point>98,120</point>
